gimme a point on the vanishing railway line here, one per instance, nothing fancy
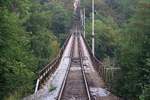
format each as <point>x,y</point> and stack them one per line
<point>75,73</point>
<point>75,84</point>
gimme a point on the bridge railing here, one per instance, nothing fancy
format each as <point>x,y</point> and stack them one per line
<point>49,69</point>
<point>105,72</point>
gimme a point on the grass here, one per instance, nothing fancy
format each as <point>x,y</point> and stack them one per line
<point>52,88</point>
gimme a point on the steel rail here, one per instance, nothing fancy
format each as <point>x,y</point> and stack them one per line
<point>83,70</point>
<point>68,69</point>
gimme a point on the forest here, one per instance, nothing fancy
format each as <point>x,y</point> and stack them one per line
<point>123,40</point>
<point>33,31</point>
<point>30,32</point>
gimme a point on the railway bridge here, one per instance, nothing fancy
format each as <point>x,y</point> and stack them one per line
<point>75,74</point>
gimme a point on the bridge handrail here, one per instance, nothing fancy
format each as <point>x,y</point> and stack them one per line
<point>50,68</point>
<point>100,68</point>
<point>55,59</point>
<point>98,65</point>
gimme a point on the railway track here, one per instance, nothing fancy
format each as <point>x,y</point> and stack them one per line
<point>75,85</point>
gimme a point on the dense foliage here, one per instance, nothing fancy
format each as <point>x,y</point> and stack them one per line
<point>122,34</point>
<point>31,32</point>
<point>29,39</point>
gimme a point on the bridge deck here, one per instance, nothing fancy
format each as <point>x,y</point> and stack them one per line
<point>75,87</point>
<point>51,88</point>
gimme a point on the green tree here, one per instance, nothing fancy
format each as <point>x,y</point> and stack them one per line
<point>134,58</point>
<point>17,64</point>
<point>131,47</point>
<point>106,34</point>
<point>42,38</point>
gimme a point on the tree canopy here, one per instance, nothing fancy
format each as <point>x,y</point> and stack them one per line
<point>122,34</point>
<point>29,39</point>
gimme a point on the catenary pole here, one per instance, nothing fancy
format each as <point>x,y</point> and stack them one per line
<point>93,40</point>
